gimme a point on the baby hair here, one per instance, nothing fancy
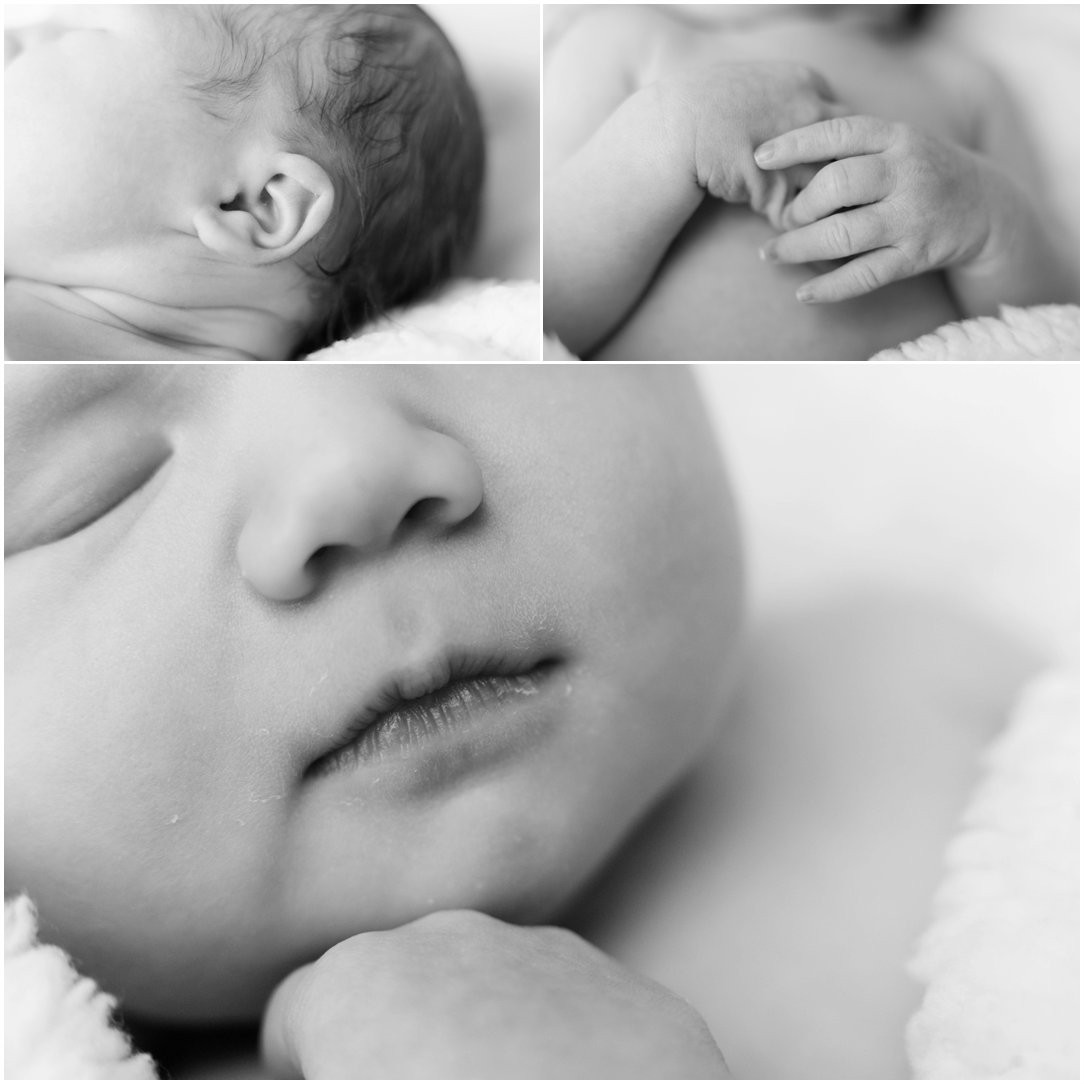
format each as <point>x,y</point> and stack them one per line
<point>381,101</point>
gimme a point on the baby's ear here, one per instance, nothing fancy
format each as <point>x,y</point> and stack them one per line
<point>269,221</point>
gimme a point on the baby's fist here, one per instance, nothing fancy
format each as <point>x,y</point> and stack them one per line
<point>458,994</point>
<point>719,113</point>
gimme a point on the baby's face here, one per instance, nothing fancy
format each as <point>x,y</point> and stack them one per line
<point>218,577</point>
<point>100,138</point>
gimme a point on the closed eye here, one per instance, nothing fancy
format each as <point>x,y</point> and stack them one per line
<point>80,508</point>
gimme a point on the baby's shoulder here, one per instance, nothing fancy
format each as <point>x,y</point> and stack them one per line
<point>622,42</point>
<point>992,113</point>
<point>973,89</point>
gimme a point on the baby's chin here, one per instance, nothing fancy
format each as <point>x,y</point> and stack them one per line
<point>235,991</point>
<point>222,968</point>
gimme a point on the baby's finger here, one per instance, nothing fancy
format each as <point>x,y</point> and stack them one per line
<point>282,1032</point>
<point>833,238</point>
<point>800,176</point>
<point>837,137</point>
<point>850,182</point>
<point>859,276</point>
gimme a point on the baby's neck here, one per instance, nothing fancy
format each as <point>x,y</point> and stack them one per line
<point>45,322</point>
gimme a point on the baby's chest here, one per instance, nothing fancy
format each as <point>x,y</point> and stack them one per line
<point>903,80</point>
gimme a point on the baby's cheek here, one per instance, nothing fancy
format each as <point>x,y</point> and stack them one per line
<point>118,750</point>
<point>669,584</point>
<point>145,859</point>
<point>82,170</point>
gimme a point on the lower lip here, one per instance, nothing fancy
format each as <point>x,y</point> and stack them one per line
<point>460,729</point>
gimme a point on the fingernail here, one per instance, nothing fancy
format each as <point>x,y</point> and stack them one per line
<point>764,154</point>
<point>804,294</point>
<point>768,252</point>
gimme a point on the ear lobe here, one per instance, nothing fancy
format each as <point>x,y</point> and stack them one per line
<point>272,219</point>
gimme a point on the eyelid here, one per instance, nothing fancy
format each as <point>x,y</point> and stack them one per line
<point>126,485</point>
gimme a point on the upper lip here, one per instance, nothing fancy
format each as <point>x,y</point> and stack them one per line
<point>410,684</point>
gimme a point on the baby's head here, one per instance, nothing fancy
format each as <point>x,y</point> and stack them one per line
<point>323,159</point>
<point>228,586</point>
<point>727,14</point>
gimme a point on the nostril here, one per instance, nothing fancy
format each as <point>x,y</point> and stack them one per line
<point>320,560</point>
<point>425,510</point>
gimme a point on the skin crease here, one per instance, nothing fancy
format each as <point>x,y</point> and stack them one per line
<point>162,707</point>
<point>101,212</point>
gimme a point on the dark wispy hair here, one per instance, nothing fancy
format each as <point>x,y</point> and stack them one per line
<point>383,104</point>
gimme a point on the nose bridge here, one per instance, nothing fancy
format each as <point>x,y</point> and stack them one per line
<point>348,476</point>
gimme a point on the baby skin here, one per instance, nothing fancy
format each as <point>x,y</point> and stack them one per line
<point>866,186</point>
<point>120,244</point>
<point>395,679</point>
<point>231,181</point>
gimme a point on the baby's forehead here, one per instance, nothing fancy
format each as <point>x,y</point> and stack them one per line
<point>240,50</point>
<point>144,19</point>
<point>187,34</point>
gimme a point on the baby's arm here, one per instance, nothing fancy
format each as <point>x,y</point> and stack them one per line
<point>898,202</point>
<point>609,214</point>
<point>461,995</point>
<point>627,165</point>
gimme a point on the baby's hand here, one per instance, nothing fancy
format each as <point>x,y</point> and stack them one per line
<point>720,113</point>
<point>899,201</point>
<point>461,995</point>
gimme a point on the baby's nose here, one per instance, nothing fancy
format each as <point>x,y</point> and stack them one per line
<point>354,493</point>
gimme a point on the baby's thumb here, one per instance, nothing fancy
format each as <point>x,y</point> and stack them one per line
<point>283,1026</point>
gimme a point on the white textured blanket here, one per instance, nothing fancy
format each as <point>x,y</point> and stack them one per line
<point>466,320</point>
<point>1040,333</point>
<point>1001,960</point>
<point>57,1024</point>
